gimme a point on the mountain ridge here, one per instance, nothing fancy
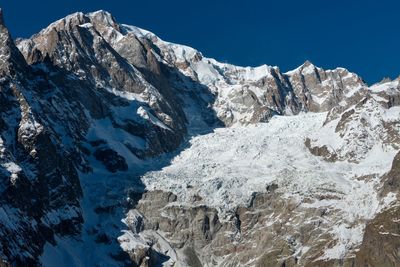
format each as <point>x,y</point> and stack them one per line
<point>295,97</point>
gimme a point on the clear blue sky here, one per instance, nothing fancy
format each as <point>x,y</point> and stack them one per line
<point>362,36</point>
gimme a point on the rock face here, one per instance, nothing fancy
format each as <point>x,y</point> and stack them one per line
<point>382,230</point>
<point>40,188</point>
<point>250,95</point>
<point>89,105</point>
<point>350,132</point>
<point>261,234</point>
<point>54,121</point>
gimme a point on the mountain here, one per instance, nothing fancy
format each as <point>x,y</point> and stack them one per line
<point>119,148</point>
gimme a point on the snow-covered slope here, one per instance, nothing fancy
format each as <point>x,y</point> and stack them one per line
<point>230,165</point>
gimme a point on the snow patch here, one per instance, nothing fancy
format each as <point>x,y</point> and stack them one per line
<point>13,169</point>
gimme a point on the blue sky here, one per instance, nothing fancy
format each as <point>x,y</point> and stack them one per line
<point>362,36</point>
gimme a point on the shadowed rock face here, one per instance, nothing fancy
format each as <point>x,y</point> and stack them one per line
<point>89,97</point>
<point>12,60</point>
<point>38,178</point>
<point>47,113</point>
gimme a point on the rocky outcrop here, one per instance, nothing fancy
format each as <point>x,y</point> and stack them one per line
<point>321,90</point>
<point>352,131</point>
<point>381,242</point>
<point>271,231</point>
<point>12,60</point>
<point>40,189</point>
<point>392,178</point>
<point>75,44</point>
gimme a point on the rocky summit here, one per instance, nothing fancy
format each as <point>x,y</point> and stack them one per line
<point>118,148</point>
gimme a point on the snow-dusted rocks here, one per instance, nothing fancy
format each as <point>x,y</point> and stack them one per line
<point>369,128</point>
<point>321,90</point>
<point>238,95</point>
<point>253,94</point>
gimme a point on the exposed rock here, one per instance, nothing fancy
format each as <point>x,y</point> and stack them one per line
<point>392,178</point>
<point>111,159</point>
<point>322,90</point>
<point>272,231</point>
<point>381,242</point>
<point>350,133</point>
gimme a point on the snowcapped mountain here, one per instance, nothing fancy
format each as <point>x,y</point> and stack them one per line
<point>238,94</point>
<point>119,148</point>
<point>248,95</point>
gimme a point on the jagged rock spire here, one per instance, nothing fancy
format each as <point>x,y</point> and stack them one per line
<point>12,59</point>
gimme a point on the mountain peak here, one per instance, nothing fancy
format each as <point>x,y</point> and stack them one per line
<point>12,58</point>
<point>308,68</point>
<point>98,18</point>
<point>67,22</point>
<point>385,80</point>
<point>305,68</point>
<point>100,13</point>
<point>307,63</point>
<point>104,18</point>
